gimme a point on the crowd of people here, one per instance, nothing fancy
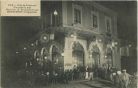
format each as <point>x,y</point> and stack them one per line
<point>118,78</point>
<point>122,79</point>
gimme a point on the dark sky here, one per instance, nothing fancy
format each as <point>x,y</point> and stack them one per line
<point>17,30</point>
<point>127,18</point>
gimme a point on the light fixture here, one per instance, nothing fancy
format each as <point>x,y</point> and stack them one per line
<point>72,35</point>
<point>100,40</point>
<point>129,45</point>
<point>45,57</point>
<point>30,64</point>
<point>17,52</point>
<point>55,13</point>
<point>57,60</point>
<point>24,48</point>
<point>32,44</point>
<point>113,44</point>
<point>62,54</point>
<point>45,38</point>
<point>37,59</point>
<point>105,56</point>
<point>26,64</point>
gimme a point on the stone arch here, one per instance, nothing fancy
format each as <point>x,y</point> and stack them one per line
<point>55,51</point>
<point>77,45</point>
<point>44,51</point>
<point>109,56</point>
<point>93,44</point>
<point>57,45</point>
<point>95,54</point>
<point>36,54</point>
<point>78,53</point>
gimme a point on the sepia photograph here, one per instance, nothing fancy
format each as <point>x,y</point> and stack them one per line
<point>69,44</point>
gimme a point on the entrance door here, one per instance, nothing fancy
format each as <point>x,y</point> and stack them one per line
<point>96,58</point>
<point>78,54</point>
<point>109,57</point>
<point>78,57</point>
<point>57,60</point>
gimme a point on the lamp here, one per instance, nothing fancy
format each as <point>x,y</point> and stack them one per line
<point>55,13</point>
<point>16,52</point>
<point>105,56</point>
<point>100,40</point>
<point>72,35</point>
<point>62,54</point>
<point>24,48</point>
<point>129,45</point>
<point>45,38</point>
<point>37,59</point>
<point>45,57</point>
<point>32,44</point>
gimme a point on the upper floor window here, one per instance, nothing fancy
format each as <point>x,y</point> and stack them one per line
<point>77,14</point>
<point>94,19</point>
<point>124,51</point>
<point>95,24</point>
<point>108,24</point>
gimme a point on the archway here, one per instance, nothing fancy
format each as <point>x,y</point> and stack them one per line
<point>37,63</point>
<point>78,54</point>
<point>57,59</point>
<point>44,53</point>
<point>109,59</point>
<point>36,54</point>
<point>95,56</point>
<point>45,59</point>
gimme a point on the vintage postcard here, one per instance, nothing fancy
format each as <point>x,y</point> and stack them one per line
<point>68,44</point>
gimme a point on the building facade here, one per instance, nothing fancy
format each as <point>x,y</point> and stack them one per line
<point>76,33</point>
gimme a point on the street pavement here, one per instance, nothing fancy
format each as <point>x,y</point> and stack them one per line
<point>82,84</point>
<point>97,83</point>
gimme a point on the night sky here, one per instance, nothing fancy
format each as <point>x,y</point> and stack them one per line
<point>17,30</point>
<point>127,18</point>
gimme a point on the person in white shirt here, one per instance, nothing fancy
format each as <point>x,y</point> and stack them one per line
<point>124,79</point>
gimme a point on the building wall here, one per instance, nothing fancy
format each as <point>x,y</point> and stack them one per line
<point>65,19</point>
<point>67,12</point>
<point>68,59</point>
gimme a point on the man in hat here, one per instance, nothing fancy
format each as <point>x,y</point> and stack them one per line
<point>118,79</point>
<point>124,79</point>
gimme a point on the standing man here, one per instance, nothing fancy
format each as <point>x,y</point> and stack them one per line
<point>87,73</point>
<point>124,79</point>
